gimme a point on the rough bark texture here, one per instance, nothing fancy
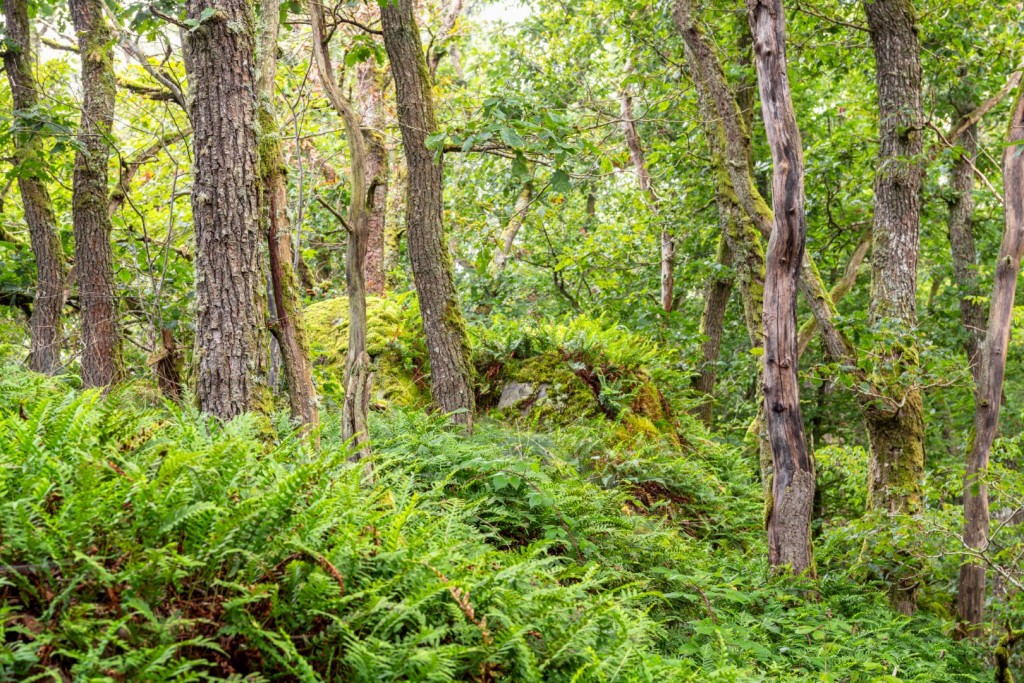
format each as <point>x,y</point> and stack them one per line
<point>789,521</point>
<point>961,243</point>
<point>971,597</point>
<point>643,179</point>
<point>394,222</point>
<point>895,419</point>
<point>51,274</point>
<point>716,300</point>
<point>370,94</point>
<point>230,321</point>
<point>168,366</point>
<point>286,315</point>
<point>358,373</point>
<point>443,324</point>
<point>101,359</point>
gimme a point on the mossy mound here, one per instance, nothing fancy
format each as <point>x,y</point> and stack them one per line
<point>544,391</point>
<point>393,341</point>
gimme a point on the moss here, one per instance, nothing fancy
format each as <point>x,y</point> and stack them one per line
<point>391,341</point>
<point>566,397</point>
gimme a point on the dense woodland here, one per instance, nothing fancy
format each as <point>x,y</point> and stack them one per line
<point>468,340</point>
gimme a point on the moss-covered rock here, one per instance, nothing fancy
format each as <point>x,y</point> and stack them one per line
<point>393,341</point>
<point>557,397</point>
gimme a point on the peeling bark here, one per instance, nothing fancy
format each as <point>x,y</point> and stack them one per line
<point>51,273</point>
<point>971,595</point>
<point>443,323</point>
<point>102,363</point>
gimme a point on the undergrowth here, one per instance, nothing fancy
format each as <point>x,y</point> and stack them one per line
<point>152,544</point>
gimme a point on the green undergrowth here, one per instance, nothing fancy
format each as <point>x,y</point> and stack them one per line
<point>151,544</point>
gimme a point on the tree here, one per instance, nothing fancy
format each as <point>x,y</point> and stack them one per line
<point>230,320</point>
<point>443,326</point>
<point>286,316</point>
<point>793,483</point>
<point>988,393</point>
<point>51,274</point>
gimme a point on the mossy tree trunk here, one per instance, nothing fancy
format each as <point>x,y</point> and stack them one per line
<point>101,359</point>
<point>370,92</point>
<point>712,322</point>
<point>286,314</point>
<point>51,273</point>
<point>358,372</point>
<point>971,595</point>
<point>443,324</point>
<point>895,421</point>
<point>231,333</point>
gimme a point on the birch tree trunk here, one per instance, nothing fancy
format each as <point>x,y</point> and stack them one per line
<point>971,595</point>
<point>231,339</point>
<point>101,360</point>
<point>51,273</point>
<point>443,324</point>
<point>286,324</point>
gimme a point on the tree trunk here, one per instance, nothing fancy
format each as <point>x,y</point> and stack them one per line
<point>971,596</point>
<point>716,300</point>
<point>443,325</point>
<point>287,325</point>
<point>515,223</point>
<point>895,422</point>
<point>230,321</point>
<point>643,179</point>
<point>168,366</point>
<point>371,111</point>
<point>51,274</point>
<point>394,221</point>
<point>961,243</point>
<point>101,362</point>
<point>789,520</point>
<point>358,372</point>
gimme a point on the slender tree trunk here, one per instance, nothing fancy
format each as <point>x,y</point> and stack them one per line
<point>231,338</point>
<point>287,324</point>
<point>789,521</point>
<point>971,596</point>
<point>443,324</point>
<point>51,274</point>
<point>515,223</point>
<point>961,243</point>
<point>358,371</point>
<point>101,362</point>
<point>838,291</point>
<point>643,179</point>
<point>370,99</point>
<point>394,222</point>
<point>716,300</point>
<point>168,366</point>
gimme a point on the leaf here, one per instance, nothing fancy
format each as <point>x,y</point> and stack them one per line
<point>511,138</point>
<point>560,182</point>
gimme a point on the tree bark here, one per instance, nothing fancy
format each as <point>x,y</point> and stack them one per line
<point>961,243</point>
<point>231,340</point>
<point>443,324</point>
<point>101,360</point>
<point>789,520</point>
<point>51,273</point>
<point>716,300</point>
<point>895,423</point>
<point>971,595</point>
<point>168,366</point>
<point>515,223</point>
<point>358,371</point>
<point>643,179</point>
<point>286,325</point>
<point>371,111</point>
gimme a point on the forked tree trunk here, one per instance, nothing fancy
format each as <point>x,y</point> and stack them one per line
<point>789,520</point>
<point>231,338</point>
<point>971,596</point>
<point>712,320</point>
<point>51,273</point>
<point>643,179</point>
<point>358,371</point>
<point>286,317</point>
<point>443,323</point>
<point>895,422</point>
<point>101,360</point>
